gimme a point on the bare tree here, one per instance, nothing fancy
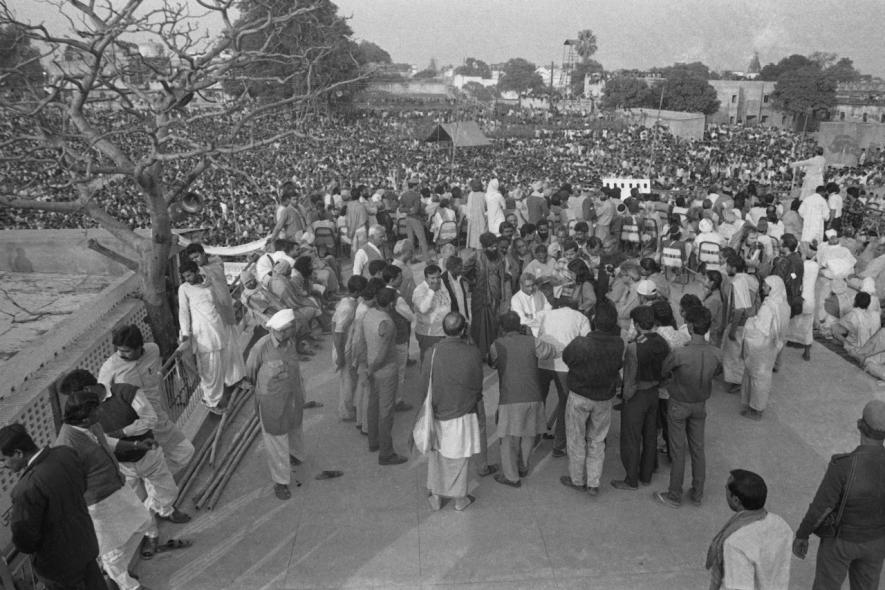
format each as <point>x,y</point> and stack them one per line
<point>109,120</point>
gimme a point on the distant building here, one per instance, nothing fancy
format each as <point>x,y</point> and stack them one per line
<point>860,102</point>
<point>747,102</point>
<point>459,80</point>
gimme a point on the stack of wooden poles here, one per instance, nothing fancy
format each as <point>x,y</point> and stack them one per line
<point>223,466</point>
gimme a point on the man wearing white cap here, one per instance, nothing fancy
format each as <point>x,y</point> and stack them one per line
<point>852,490</point>
<point>274,369</point>
<point>647,291</point>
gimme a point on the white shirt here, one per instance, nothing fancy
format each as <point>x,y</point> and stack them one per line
<point>835,203</point>
<point>814,212</point>
<point>143,373</point>
<point>430,309</point>
<point>530,308</point>
<point>559,327</point>
<point>757,556</point>
<point>361,259</point>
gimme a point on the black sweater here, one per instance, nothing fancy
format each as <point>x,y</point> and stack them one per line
<point>593,363</point>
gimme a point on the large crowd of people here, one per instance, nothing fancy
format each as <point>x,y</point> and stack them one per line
<point>534,268</point>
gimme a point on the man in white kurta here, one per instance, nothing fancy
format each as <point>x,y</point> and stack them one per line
<point>814,171</point>
<point>137,363</point>
<point>219,359</point>
<point>530,304</point>
<point>815,212</point>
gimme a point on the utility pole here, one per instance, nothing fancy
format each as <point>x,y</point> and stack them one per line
<point>552,65</point>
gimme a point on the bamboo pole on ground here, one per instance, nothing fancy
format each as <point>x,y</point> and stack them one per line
<point>200,457</point>
<point>202,495</point>
<point>232,467</point>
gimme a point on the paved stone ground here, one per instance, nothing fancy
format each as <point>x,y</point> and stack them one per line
<point>372,527</point>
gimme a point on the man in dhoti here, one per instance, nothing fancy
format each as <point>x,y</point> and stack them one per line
<point>119,517</point>
<point>213,340</point>
<point>137,363</point>
<point>274,368</point>
<point>455,396</point>
<point>814,171</point>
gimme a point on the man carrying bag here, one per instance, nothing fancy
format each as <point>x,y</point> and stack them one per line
<point>848,511</point>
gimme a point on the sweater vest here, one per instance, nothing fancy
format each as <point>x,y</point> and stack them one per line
<point>116,413</point>
<point>371,254</point>
<point>103,476</point>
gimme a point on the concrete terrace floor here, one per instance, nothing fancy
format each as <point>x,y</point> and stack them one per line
<point>372,528</point>
<point>32,304</point>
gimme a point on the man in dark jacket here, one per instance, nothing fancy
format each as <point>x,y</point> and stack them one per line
<point>643,359</point>
<point>49,516</point>
<point>856,544</point>
<point>594,362</point>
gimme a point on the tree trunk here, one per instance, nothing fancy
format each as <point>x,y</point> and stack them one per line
<point>154,266</point>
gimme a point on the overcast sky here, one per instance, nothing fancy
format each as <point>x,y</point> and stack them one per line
<point>631,33</point>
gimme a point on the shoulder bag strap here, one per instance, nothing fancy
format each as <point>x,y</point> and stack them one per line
<point>844,498</point>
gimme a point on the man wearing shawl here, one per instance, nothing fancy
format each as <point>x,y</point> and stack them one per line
<point>495,205</point>
<point>753,548</point>
<point>214,341</point>
<point>279,392</point>
<point>739,307</point>
<point>303,306</point>
<point>764,337</point>
<point>455,398</point>
<point>476,217</point>
<point>801,326</point>
<point>485,271</point>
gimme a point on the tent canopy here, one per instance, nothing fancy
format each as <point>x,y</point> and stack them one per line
<point>461,134</point>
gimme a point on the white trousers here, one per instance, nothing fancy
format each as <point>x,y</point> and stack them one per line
<point>278,448</point>
<point>221,367</point>
<point>150,477</point>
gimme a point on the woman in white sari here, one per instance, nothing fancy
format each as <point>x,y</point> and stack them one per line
<point>495,205</point>
<point>764,336</point>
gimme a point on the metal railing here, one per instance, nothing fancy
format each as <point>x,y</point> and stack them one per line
<point>180,380</point>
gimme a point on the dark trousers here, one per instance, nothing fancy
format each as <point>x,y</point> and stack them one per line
<point>382,399</point>
<point>425,343</point>
<point>483,433</point>
<point>663,424</point>
<point>92,579</point>
<point>559,379</point>
<point>861,561</point>
<point>639,436</point>
<point>686,427</point>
